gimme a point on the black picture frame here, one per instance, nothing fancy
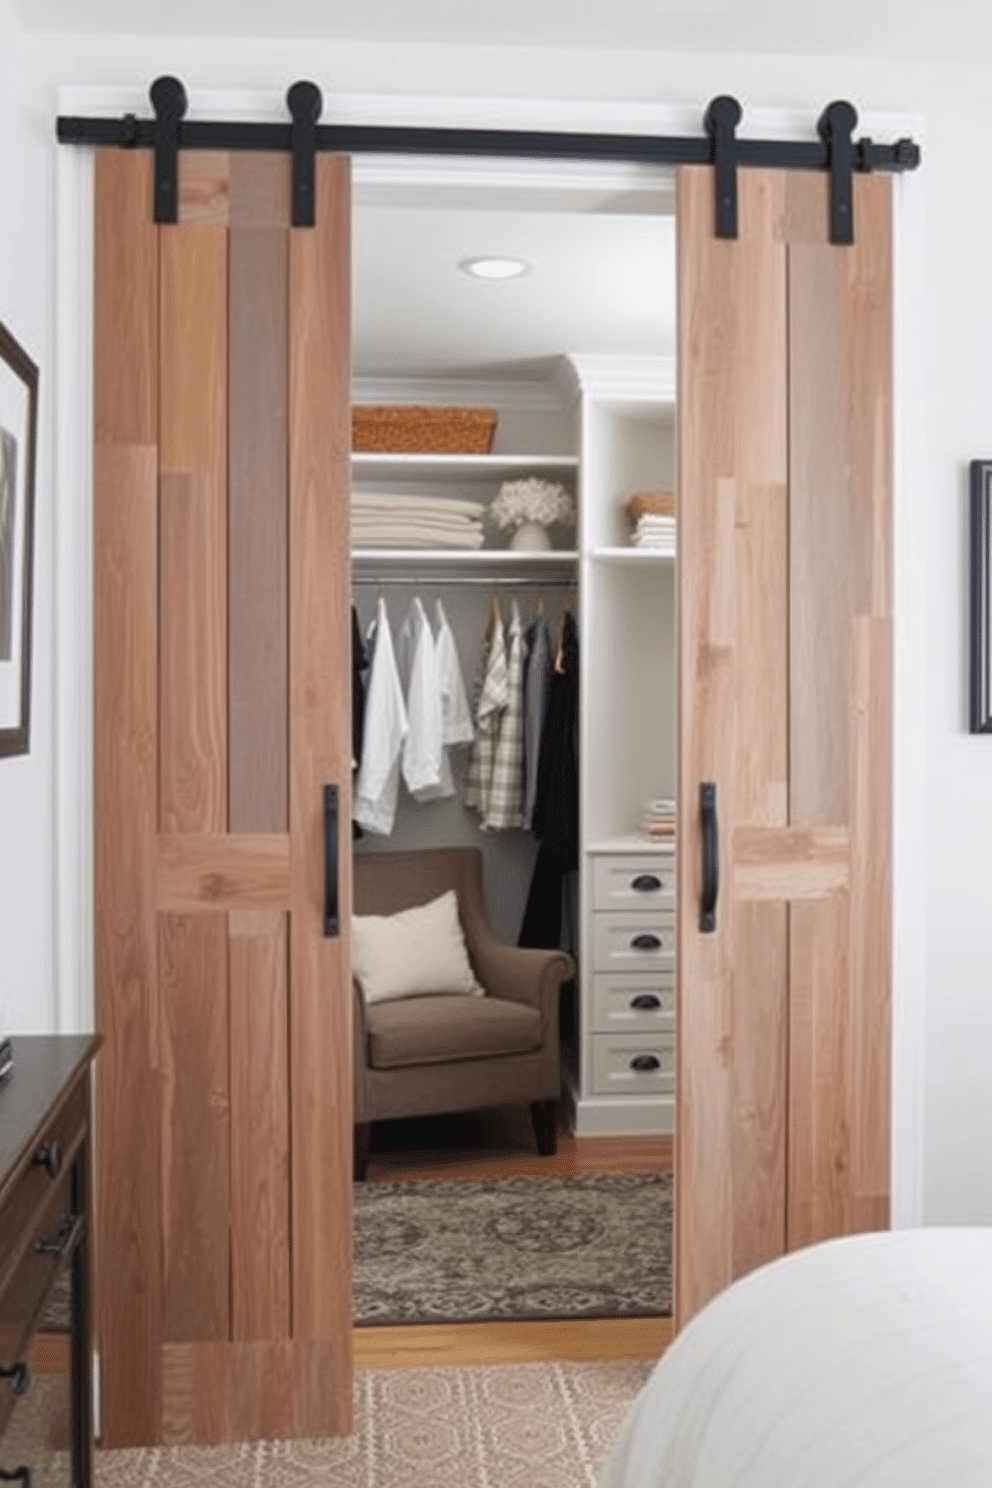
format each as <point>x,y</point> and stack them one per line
<point>18,450</point>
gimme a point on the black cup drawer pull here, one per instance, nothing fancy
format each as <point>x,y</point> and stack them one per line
<point>19,1377</point>
<point>646,942</point>
<point>63,1241</point>
<point>645,1002</point>
<point>49,1157</point>
<point>646,883</point>
<point>19,1475</point>
<point>643,1063</point>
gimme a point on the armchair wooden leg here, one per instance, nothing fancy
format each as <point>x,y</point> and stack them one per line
<point>363,1133</point>
<point>544,1115</point>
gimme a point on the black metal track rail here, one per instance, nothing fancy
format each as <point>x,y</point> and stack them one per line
<point>169,132</point>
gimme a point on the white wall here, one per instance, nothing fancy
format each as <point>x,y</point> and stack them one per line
<point>945,777</point>
<point>28,999</point>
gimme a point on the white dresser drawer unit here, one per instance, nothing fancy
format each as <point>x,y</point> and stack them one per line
<point>634,942</point>
<point>626,1064</point>
<point>627,1003</point>
<point>636,881</point>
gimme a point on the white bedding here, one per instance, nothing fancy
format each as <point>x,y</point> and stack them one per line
<point>858,1363</point>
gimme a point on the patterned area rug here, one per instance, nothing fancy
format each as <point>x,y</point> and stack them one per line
<point>480,1250</point>
<point>511,1425</point>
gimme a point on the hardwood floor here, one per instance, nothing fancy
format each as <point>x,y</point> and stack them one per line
<point>499,1143</point>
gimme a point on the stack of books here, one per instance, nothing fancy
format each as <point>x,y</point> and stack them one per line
<point>658,818</point>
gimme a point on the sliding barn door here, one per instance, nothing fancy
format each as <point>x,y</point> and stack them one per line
<point>785,594</point>
<point>222,705</point>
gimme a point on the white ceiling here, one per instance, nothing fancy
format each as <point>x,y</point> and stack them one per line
<point>891,28</point>
<point>601,276</point>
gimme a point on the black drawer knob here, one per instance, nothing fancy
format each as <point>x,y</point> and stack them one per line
<point>19,1377</point>
<point>646,883</point>
<point>59,1245</point>
<point>646,942</point>
<point>19,1475</point>
<point>642,1063</point>
<point>644,1002</point>
<point>49,1157</point>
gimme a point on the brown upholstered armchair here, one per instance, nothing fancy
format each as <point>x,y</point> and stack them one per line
<point>433,1054</point>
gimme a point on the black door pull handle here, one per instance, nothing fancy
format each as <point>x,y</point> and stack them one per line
<point>711,857</point>
<point>646,942</point>
<point>331,917</point>
<point>645,1001</point>
<point>645,883</point>
<point>642,1063</point>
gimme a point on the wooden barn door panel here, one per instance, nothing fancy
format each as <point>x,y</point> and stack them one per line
<point>785,703</point>
<point>223,706</point>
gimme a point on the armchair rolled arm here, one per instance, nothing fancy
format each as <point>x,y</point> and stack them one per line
<point>360,1047</point>
<point>523,974</point>
<point>518,973</point>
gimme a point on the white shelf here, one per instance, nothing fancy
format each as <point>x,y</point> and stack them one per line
<point>367,466</point>
<point>631,842</point>
<point>643,557</point>
<point>484,558</point>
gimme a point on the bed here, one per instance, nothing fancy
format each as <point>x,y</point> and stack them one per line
<point>864,1362</point>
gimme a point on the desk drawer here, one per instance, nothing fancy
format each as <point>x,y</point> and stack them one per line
<point>626,1003</point>
<point>634,881</point>
<point>31,1190</point>
<point>628,1064</point>
<point>634,942</point>
<point>34,1276</point>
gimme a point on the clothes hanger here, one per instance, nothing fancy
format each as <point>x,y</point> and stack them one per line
<point>494,615</point>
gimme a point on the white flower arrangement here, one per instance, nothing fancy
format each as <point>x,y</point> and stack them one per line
<point>532,500</point>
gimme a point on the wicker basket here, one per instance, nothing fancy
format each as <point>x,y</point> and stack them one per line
<point>422,429</point>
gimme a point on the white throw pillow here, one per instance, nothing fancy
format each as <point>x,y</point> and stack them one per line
<point>417,952</point>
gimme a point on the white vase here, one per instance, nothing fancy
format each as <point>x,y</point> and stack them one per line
<point>530,537</point>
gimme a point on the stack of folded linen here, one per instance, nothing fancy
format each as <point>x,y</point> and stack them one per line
<point>384,520</point>
<point>658,817</point>
<point>653,516</point>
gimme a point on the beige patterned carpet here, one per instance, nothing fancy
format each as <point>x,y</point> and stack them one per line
<point>506,1426</point>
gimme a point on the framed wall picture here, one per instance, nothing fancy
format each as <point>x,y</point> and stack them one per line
<point>980,523</point>
<point>18,438</point>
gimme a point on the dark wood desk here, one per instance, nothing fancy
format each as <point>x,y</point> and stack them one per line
<point>46,1416</point>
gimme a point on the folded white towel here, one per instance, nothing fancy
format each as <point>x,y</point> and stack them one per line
<point>387,501</point>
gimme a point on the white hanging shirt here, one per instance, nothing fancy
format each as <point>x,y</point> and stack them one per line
<point>386,729</point>
<point>455,711</point>
<point>456,716</point>
<point>422,750</point>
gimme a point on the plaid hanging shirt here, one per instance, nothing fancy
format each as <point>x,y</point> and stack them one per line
<point>491,700</point>
<point>505,801</point>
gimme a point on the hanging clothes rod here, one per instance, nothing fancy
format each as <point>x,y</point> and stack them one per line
<point>487,581</point>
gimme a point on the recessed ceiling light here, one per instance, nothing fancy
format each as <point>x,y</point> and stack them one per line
<point>494,267</point>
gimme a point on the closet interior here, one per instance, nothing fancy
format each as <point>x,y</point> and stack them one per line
<point>576,363</point>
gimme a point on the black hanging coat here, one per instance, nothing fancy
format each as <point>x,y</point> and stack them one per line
<point>556,810</point>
